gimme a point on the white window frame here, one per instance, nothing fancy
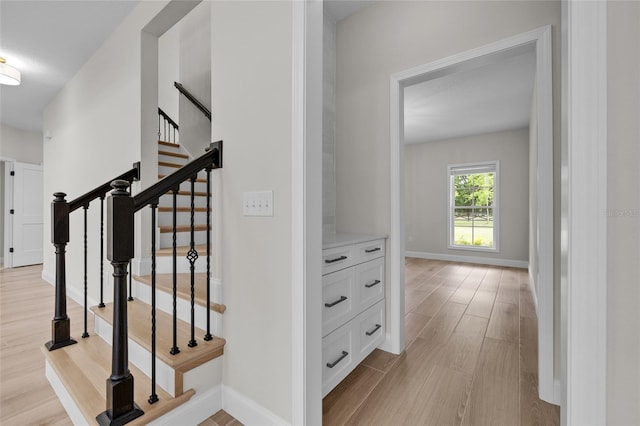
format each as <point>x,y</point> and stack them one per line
<point>472,168</point>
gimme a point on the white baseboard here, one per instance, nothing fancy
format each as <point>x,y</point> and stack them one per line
<point>199,408</point>
<point>246,410</point>
<point>557,392</point>
<point>469,259</point>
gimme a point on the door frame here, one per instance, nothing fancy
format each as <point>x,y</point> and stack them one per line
<point>540,40</point>
<point>9,165</point>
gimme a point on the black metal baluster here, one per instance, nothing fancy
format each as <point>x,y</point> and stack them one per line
<point>85,333</point>
<point>175,350</point>
<point>153,398</point>
<point>192,256</point>
<point>208,336</point>
<point>159,125</point>
<point>101,304</point>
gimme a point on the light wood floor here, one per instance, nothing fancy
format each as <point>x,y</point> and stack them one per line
<point>471,356</point>
<point>26,310</point>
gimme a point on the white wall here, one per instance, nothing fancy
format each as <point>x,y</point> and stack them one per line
<point>195,75</point>
<point>169,71</point>
<point>328,124</point>
<point>251,92</point>
<point>95,126</point>
<point>427,196</point>
<point>21,145</point>
<point>623,210</point>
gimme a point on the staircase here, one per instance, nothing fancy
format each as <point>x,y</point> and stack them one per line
<point>174,360</point>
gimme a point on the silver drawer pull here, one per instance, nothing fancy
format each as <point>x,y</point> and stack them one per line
<point>337,259</point>
<point>334,363</point>
<point>376,282</point>
<point>342,299</point>
<point>372,250</point>
<point>369,333</point>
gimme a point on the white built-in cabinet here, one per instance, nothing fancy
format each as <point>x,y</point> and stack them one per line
<point>353,304</point>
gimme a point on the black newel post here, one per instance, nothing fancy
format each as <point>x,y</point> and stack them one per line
<point>121,408</point>
<point>60,325</point>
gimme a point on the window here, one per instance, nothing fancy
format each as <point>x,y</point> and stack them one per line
<point>473,201</point>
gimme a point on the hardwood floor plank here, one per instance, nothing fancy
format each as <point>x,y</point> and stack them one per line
<point>533,411</point>
<point>414,297</point>
<point>413,325</point>
<point>482,304</point>
<point>380,360</point>
<point>494,395</point>
<point>387,403</point>
<point>345,399</point>
<point>503,323</point>
<point>438,330</point>
<point>509,291</point>
<point>463,348</point>
<point>442,400</point>
<point>430,306</point>
<point>528,345</point>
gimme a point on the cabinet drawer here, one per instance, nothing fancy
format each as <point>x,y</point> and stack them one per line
<point>339,357</point>
<point>370,329</point>
<point>337,258</point>
<point>369,283</point>
<point>338,299</point>
<point>369,250</point>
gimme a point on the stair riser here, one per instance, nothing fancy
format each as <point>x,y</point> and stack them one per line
<point>200,379</point>
<point>183,218</point>
<point>172,159</point>
<point>182,201</point>
<point>182,239</point>
<point>164,302</point>
<point>164,264</point>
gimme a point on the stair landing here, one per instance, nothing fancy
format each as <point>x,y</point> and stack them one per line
<point>83,369</point>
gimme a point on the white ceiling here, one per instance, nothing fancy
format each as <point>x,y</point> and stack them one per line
<point>48,41</point>
<point>486,99</point>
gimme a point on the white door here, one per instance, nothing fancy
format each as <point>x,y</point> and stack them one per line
<point>27,214</point>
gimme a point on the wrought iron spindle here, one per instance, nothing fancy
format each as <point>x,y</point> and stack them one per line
<point>175,350</point>
<point>101,304</point>
<point>153,398</point>
<point>208,336</point>
<point>159,117</point>
<point>192,256</point>
<point>85,333</point>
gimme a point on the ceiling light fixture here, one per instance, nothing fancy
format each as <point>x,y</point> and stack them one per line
<point>8,74</point>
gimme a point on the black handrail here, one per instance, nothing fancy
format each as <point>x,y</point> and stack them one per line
<point>212,158</point>
<point>193,99</point>
<point>166,117</point>
<point>99,192</point>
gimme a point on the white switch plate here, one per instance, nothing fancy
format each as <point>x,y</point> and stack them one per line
<point>258,203</point>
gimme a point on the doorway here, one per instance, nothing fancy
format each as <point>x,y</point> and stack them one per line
<point>538,40</point>
<point>22,213</point>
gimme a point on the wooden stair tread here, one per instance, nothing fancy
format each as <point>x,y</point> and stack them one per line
<point>139,319</point>
<point>164,282</point>
<point>167,164</point>
<point>182,209</point>
<point>200,180</point>
<point>165,143</point>
<point>83,369</point>
<point>182,228</point>
<point>173,154</point>
<point>182,250</point>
